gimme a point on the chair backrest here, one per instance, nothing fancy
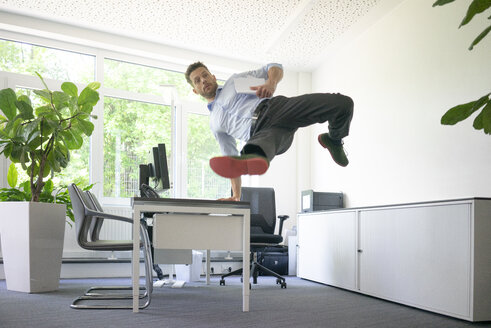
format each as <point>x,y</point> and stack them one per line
<point>82,222</point>
<point>96,224</point>
<point>262,202</point>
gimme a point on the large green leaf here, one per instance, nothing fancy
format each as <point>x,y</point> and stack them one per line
<point>16,153</point>
<point>12,175</point>
<point>44,94</point>
<point>24,157</point>
<point>73,140</point>
<point>54,164</point>
<point>3,135</point>
<point>35,141</point>
<point>69,88</point>
<point>88,97</point>
<point>61,158</point>
<point>477,124</point>
<point>47,170</point>
<point>43,110</point>
<point>25,98</point>
<point>48,189</point>
<point>94,85</point>
<point>486,118</point>
<point>7,103</point>
<point>13,126</point>
<point>25,109</point>
<point>60,99</point>
<point>442,2</point>
<point>62,148</point>
<point>33,136</point>
<point>476,7</point>
<point>480,37</point>
<point>87,108</point>
<point>53,123</point>
<point>86,126</point>
<point>7,150</point>
<point>31,127</point>
<point>461,112</point>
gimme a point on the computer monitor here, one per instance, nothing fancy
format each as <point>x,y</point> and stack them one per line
<point>157,169</point>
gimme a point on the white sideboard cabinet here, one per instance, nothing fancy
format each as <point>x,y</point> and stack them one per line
<point>435,255</point>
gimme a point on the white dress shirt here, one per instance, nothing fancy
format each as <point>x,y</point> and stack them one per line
<point>231,112</point>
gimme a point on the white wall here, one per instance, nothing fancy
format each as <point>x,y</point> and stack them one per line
<point>403,73</point>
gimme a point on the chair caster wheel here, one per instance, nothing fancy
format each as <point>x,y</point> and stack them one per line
<point>222,282</point>
<point>283,285</point>
<point>278,281</point>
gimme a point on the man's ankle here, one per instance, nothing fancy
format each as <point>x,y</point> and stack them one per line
<point>335,141</point>
<point>253,150</point>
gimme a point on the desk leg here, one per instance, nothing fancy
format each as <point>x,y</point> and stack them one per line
<point>135,275</point>
<point>245,262</point>
<point>208,266</point>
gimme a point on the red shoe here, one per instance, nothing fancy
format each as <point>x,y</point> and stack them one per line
<point>235,166</point>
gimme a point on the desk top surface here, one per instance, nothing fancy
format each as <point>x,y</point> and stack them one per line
<point>188,202</point>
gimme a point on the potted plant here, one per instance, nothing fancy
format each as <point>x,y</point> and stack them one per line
<point>40,140</point>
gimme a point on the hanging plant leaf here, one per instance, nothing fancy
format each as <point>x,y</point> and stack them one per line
<point>461,112</point>
<point>7,103</point>
<point>480,37</point>
<point>476,7</point>
<point>486,118</point>
<point>442,2</point>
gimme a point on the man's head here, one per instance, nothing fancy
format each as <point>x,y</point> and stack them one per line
<point>202,81</point>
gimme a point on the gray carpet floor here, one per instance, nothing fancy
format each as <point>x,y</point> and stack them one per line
<point>302,304</point>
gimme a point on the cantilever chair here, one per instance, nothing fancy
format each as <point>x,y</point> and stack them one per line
<point>89,218</point>
<point>263,222</point>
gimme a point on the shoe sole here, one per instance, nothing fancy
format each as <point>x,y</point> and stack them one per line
<point>229,167</point>
<point>325,146</point>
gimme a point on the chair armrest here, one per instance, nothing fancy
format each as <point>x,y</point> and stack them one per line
<point>282,218</point>
<point>107,216</point>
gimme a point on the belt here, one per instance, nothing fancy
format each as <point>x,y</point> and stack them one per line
<point>260,109</point>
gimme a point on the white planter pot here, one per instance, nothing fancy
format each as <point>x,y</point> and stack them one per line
<point>32,245</point>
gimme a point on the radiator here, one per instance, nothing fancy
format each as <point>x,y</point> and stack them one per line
<point>117,230</point>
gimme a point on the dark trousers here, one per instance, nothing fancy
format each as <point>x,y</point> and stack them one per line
<point>280,117</point>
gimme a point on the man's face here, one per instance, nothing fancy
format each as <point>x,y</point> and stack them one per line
<point>204,83</point>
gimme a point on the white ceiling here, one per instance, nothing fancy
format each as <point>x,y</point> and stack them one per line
<point>293,32</point>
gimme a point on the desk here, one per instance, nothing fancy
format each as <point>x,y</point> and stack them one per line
<point>194,224</point>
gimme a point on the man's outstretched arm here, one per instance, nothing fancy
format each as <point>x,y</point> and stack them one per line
<point>236,184</point>
<point>275,74</point>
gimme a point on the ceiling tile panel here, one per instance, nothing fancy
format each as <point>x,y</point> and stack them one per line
<point>256,30</point>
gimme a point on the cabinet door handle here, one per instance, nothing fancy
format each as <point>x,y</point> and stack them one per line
<point>360,251</point>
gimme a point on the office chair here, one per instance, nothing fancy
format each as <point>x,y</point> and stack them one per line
<point>89,218</point>
<point>263,222</point>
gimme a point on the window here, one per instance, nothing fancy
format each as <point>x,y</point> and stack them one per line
<point>202,182</point>
<point>143,79</point>
<point>131,129</point>
<point>24,58</point>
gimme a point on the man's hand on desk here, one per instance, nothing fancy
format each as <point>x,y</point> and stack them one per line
<point>236,184</point>
<point>230,199</point>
